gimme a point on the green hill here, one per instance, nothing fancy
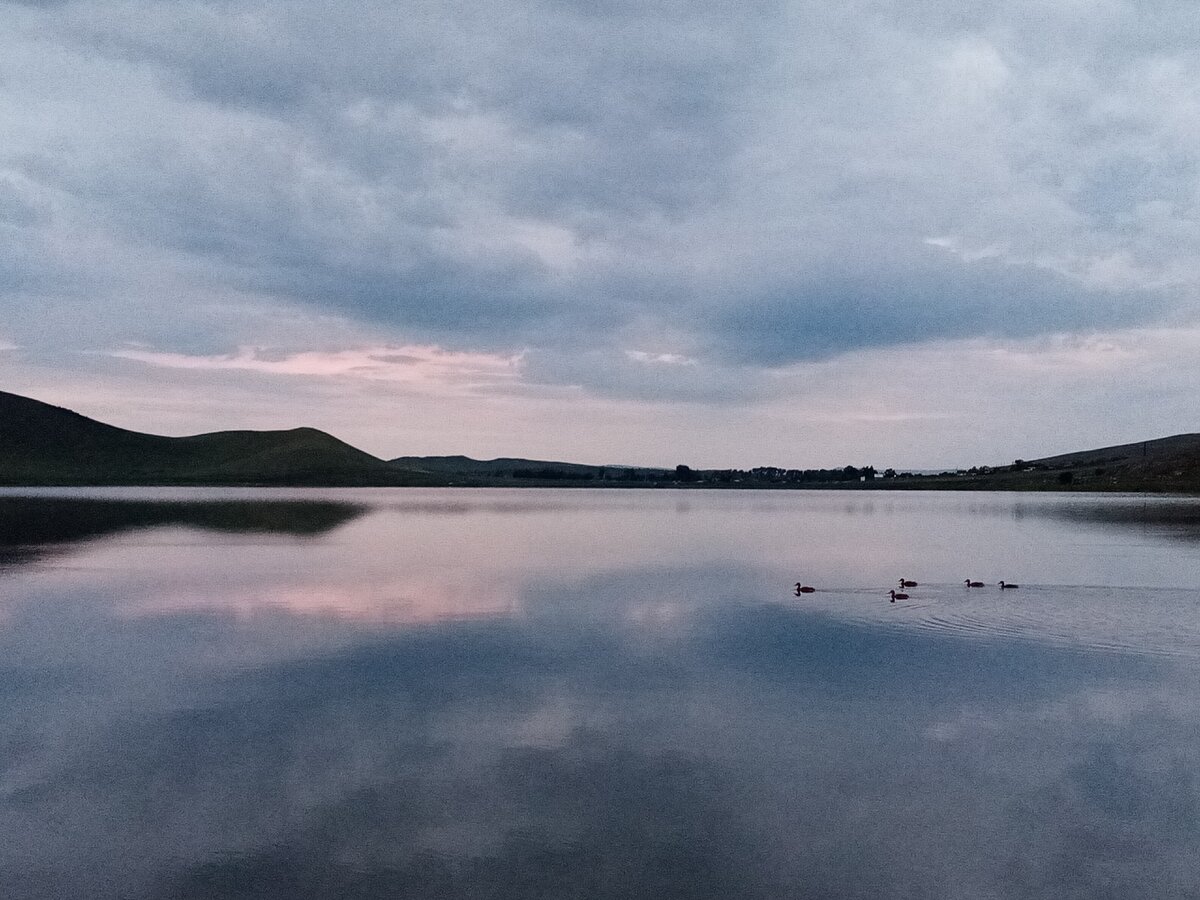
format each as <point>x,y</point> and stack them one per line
<point>1169,464</point>
<point>502,469</point>
<point>42,444</point>
<point>1161,454</point>
<point>516,472</point>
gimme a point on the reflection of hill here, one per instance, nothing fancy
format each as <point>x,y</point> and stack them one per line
<point>28,524</point>
<point>1178,520</point>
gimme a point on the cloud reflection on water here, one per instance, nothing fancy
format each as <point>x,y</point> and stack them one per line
<point>664,726</point>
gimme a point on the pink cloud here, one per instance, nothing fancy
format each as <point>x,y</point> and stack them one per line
<point>410,364</point>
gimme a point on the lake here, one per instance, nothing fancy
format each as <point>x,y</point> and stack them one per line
<point>555,693</point>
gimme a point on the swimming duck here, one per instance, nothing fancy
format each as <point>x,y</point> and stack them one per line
<point>1004,586</point>
<point>896,596</point>
<point>970,583</point>
<point>904,583</point>
<point>803,589</point>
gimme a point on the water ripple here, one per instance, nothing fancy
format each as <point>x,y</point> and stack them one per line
<point>1160,622</point>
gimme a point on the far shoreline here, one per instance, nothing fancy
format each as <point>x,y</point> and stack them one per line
<point>936,484</point>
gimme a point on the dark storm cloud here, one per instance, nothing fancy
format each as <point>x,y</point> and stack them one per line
<point>624,109</point>
<point>744,187</point>
<point>836,312</point>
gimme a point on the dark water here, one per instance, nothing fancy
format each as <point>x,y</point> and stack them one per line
<point>556,694</point>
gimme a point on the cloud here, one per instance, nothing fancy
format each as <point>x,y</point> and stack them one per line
<point>653,208</point>
<point>765,182</point>
<point>407,364</point>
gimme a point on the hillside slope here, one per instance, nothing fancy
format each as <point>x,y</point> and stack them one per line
<point>42,444</point>
<point>495,468</point>
<point>1169,464</point>
<point>1180,450</point>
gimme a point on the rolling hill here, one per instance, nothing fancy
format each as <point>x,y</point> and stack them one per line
<point>42,444</point>
<point>1169,464</point>
<point>1180,451</point>
<point>511,470</point>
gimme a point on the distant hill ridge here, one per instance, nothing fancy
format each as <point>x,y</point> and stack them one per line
<point>44,444</point>
<point>41,444</point>
<point>1162,464</point>
<point>1183,448</point>
<point>465,465</point>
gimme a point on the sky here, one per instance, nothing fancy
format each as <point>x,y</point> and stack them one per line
<point>769,233</point>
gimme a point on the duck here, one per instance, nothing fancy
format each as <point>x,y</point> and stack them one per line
<point>970,583</point>
<point>1006,586</point>
<point>904,583</point>
<point>803,589</point>
<point>896,596</point>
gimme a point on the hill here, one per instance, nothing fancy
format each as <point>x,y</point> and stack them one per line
<point>1158,465</point>
<point>42,444</point>
<point>1159,455</point>
<point>1169,463</point>
<point>516,471</point>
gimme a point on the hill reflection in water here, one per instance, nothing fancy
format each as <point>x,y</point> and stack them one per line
<point>31,525</point>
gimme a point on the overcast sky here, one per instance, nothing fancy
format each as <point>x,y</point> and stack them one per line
<point>791,233</point>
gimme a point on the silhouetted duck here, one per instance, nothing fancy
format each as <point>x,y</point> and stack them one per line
<point>1004,586</point>
<point>970,583</point>
<point>896,596</point>
<point>904,583</point>
<point>803,589</point>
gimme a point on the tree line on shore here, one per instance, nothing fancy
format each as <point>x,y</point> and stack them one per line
<point>683,474</point>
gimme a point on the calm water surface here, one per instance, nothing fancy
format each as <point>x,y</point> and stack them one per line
<point>555,694</point>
